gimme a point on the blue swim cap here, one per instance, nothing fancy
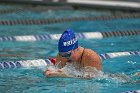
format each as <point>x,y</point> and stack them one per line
<point>67,41</point>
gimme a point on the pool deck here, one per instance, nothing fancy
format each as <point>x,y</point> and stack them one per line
<point>123,0</point>
<point>108,4</point>
<point>132,5</point>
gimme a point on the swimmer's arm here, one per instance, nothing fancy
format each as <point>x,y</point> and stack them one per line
<point>60,73</point>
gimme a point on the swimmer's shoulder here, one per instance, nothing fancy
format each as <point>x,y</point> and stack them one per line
<point>90,52</point>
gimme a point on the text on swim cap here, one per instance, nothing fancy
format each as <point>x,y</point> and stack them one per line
<point>71,42</point>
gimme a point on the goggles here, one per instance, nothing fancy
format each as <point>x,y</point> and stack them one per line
<point>66,54</point>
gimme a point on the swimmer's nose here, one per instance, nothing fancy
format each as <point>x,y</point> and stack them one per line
<point>69,60</point>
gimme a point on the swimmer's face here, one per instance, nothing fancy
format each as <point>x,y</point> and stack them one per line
<point>70,55</point>
<point>66,54</point>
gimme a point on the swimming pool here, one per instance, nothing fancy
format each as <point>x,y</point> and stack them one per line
<point>32,80</point>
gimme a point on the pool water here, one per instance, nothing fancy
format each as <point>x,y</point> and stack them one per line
<point>32,80</point>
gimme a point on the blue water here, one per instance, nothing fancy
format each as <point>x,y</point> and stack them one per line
<point>23,80</point>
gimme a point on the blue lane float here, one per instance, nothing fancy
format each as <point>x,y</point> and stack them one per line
<point>96,35</point>
<point>46,62</point>
<point>118,54</point>
<point>25,64</point>
<point>86,35</point>
<point>134,91</point>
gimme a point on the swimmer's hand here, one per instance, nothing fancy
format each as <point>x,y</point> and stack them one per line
<point>60,73</point>
<point>56,73</point>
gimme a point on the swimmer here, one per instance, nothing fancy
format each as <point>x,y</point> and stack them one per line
<point>71,53</point>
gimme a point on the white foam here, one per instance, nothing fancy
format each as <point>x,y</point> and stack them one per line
<point>86,72</point>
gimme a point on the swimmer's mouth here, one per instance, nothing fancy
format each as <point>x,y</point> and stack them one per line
<point>70,60</point>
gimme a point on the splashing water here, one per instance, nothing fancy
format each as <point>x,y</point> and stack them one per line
<point>73,70</point>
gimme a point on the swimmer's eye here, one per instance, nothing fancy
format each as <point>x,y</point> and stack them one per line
<point>66,55</point>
